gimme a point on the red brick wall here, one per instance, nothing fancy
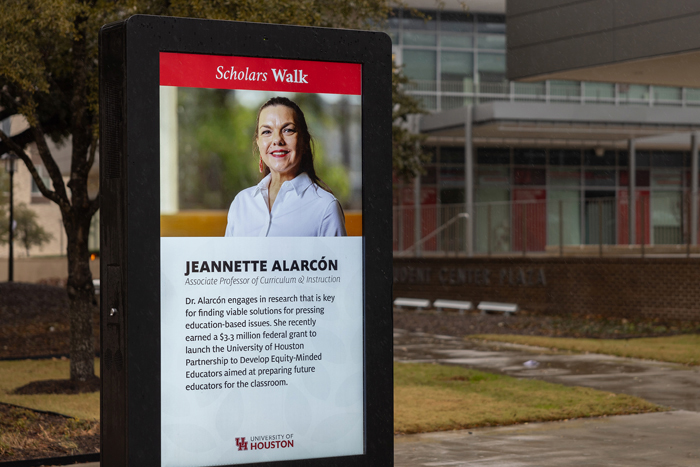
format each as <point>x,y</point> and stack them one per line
<point>623,287</point>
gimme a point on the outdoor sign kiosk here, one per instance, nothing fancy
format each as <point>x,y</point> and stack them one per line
<point>254,347</point>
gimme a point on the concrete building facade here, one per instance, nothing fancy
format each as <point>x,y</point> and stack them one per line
<point>564,171</point>
<point>546,164</point>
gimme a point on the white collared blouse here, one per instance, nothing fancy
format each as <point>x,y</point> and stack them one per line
<point>301,209</point>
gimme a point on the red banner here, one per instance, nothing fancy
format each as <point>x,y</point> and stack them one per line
<point>259,74</point>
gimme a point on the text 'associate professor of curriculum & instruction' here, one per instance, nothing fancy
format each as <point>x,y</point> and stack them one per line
<point>290,201</point>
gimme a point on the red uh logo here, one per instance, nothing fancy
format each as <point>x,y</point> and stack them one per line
<point>242,444</point>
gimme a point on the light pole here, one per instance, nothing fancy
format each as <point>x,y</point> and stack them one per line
<point>10,167</point>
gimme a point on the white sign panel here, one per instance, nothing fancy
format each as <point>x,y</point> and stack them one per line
<point>261,349</point>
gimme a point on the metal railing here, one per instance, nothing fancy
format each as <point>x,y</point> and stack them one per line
<point>565,227</point>
<point>419,244</point>
<point>443,95</point>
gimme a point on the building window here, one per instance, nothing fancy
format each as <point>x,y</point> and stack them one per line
<point>529,157</point>
<point>457,72</point>
<point>493,156</point>
<point>565,157</point>
<point>494,24</point>
<point>456,21</point>
<point>600,178</point>
<point>456,41</point>
<point>420,66</point>
<point>492,72</point>
<point>529,177</point>
<point>598,158</point>
<point>564,177</point>
<point>598,91</point>
<point>643,158</point>
<point>451,155</point>
<point>566,89</point>
<point>425,20</point>
<point>632,92</point>
<point>667,93</point>
<point>426,39</point>
<point>492,176</point>
<point>564,215</point>
<point>670,179</point>
<point>641,178</point>
<point>492,41</point>
<point>667,159</point>
<point>666,215</point>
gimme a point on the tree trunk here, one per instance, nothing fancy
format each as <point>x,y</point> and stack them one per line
<point>81,297</point>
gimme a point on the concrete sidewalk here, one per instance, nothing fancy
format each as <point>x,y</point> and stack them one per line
<point>659,439</point>
<point>666,439</point>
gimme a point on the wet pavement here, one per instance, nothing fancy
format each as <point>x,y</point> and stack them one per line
<point>667,384</point>
<point>666,439</point>
<point>658,439</point>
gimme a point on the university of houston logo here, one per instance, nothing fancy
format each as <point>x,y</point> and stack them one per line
<point>243,445</point>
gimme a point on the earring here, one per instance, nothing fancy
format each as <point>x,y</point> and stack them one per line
<point>260,165</point>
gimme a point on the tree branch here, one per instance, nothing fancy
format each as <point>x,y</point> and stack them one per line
<point>20,139</point>
<point>51,166</point>
<point>84,168</point>
<point>19,152</point>
<point>58,195</point>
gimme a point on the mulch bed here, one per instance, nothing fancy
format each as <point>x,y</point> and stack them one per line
<point>34,323</point>
<point>27,434</point>
<point>59,386</point>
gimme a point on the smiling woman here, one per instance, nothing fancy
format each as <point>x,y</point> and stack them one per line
<point>291,200</point>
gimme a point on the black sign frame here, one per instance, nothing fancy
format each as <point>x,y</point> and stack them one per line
<point>130,213</point>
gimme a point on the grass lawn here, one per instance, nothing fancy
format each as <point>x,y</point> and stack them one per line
<point>683,349</point>
<point>431,397</point>
<point>426,397</point>
<point>16,373</point>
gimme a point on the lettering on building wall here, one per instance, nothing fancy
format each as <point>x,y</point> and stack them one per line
<point>529,277</point>
<point>509,277</point>
<point>460,276</point>
<point>411,275</point>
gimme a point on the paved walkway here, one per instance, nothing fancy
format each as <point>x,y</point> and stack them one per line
<point>658,439</point>
<point>666,384</point>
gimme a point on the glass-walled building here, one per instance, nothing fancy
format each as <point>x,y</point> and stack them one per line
<point>456,58</point>
<point>452,56</point>
<point>536,184</point>
<point>553,197</point>
<point>579,195</point>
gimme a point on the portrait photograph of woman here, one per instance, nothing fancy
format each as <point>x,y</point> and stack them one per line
<point>290,200</point>
<point>261,163</point>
